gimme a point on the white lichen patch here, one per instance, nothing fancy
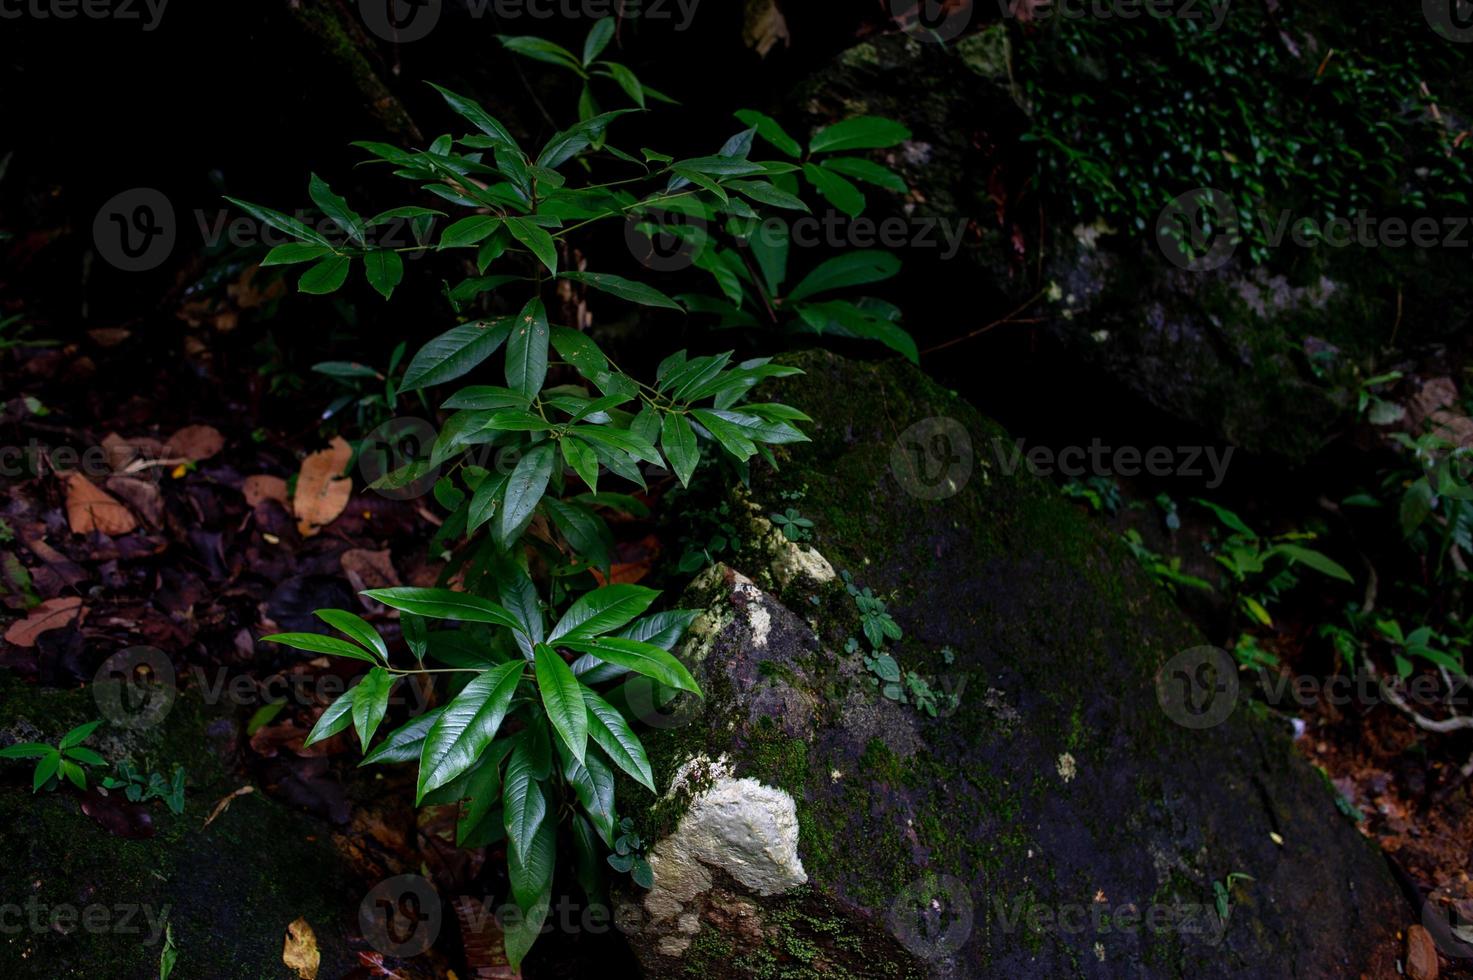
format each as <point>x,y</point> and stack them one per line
<point>745,828</point>
<point>699,769</point>
<point>1067,767</point>
<point>761,622</point>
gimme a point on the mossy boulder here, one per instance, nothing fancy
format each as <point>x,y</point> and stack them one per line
<point>1025,806</point>
<point>1268,358</point>
<point>81,901</point>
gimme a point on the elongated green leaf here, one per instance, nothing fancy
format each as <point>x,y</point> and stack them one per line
<point>576,138</point>
<point>444,604</point>
<point>45,769</point>
<point>26,750</point>
<point>561,696</point>
<point>764,192</point>
<point>635,292</point>
<point>602,610</point>
<point>356,628</point>
<point>588,534</point>
<point>78,735</point>
<point>468,724</point>
<point>281,222</point>
<point>526,350</point>
<point>836,189</point>
<point>293,252</point>
<point>484,502</point>
<point>405,743</point>
<point>524,488</point>
<point>336,208</point>
<point>593,783</point>
<point>1314,559</point>
<point>598,38</point>
<point>536,239</point>
<point>469,231</point>
<point>582,459</point>
<point>849,269</point>
<point>522,804</point>
<point>679,444</point>
<point>769,129</point>
<point>370,702</point>
<point>385,270</point>
<point>730,436</point>
<point>642,658</point>
<point>326,276</point>
<point>384,217</point>
<point>620,439</point>
<point>338,716</point>
<point>859,133</point>
<point>455,352</point>
<point>317,643</point>
<point>612,733</point>
<point>867,171</point>
<point>477,116</point>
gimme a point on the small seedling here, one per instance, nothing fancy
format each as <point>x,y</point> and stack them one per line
<point>63,760</point>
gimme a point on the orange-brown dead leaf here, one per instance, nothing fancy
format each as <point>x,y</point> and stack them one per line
<point>322,492</point>
<point>52,614</point>
<point>89,509</point>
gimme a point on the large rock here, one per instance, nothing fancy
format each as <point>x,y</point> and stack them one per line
<point>79,900</point>
<point>813,827</point>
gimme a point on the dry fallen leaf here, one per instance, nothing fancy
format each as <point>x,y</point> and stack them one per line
<point>52,614</point>
<point>369,569</point>
<point>224,804</point>
<point>764,26</point>
<point>90,509</point>
<point>300,951</point>
<point>1421,954</point>
<point>195,442</point>
<point>144,495</point>
<point>321,492</point>
<point>261,487</point>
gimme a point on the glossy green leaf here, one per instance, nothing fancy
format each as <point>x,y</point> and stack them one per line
<point>770,130</point>
<point>326,276</point>
<point>635,292</point>
<point>537,240</point>
<point>356,628</point>
<point>405,743</point>
<point>370,702</point>
<point>338,716</point>
<point>467,725</point>
<point>859,133</point>
<point>642,658</point>
<point>336,208</point>
<point>563,700</point>
<point>524,488</point>
<point>523,806</point>
<point>843,271</point>
<point>477,116</point>
<point>455,352</point>
<point>526,350</point>
<point>385,270</point>
<point>444,604</point>
<point>608,729</point>
<point>317,643</point>
<point>601,611</point>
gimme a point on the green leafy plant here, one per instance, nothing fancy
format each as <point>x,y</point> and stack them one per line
<point>1167,572</point>
<point>529,736</point>
<point>1247,556</point>
<point>66,759</point>
<point>371,394</point>
<point>140,788</point>
<point>589,67</point>
<point>794,526</point>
